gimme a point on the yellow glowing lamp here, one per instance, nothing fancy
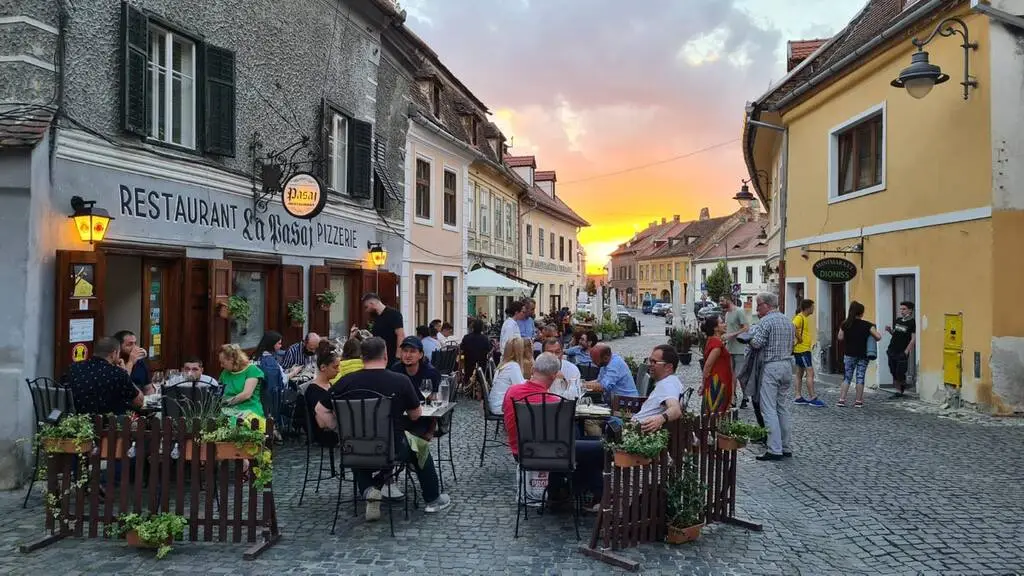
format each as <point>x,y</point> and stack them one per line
<point>378,255</point>
<point>91,222</point>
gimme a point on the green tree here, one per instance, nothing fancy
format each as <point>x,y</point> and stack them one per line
<point>719,282</point>
<point>591,286</point>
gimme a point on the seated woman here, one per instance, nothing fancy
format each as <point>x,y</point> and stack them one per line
<point>241,381</point>
<point>516,365</point>
<point>319,390</point>
<point>350,360</point>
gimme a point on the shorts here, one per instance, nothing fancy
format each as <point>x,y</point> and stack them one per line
<point>803,359</point>
<point>898,364</point>
<point>737,364</point>
<point>854,368</point>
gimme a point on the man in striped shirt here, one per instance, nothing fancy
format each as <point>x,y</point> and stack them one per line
<point>774,336</point>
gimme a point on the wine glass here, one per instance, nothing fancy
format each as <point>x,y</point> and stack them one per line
<point>426,387</point>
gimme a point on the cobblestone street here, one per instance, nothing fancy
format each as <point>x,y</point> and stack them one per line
<point>887,489</point>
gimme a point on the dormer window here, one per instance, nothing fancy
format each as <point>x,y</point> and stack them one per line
<point>435,100</point>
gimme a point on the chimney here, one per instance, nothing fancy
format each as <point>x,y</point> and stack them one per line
<point>675,217</point>
<point>705,214</point>
<point>652,224</point>
<point>662,219</point>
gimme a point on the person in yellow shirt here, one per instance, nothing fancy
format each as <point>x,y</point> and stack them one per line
<point>350,357</point>
<point>802,345</point>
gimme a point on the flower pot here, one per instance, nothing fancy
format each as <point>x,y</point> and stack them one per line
<point>222,451</point>
<point>105,447</point>
<point>627,460</point>
<point>325,307</point>
<point>298,323</point>
<point>686,357</point>
<point>726,442</point>
<point>683,535</point>
<point>222,311</point>
<point>132,536</point>
<point>67,446</point>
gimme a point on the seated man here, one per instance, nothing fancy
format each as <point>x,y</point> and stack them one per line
<point>192,375</point>
<point>662,406</point>
<point>614,378</point>
<point>580,353</point>
<point>412,362</point>
<point>101,385</point>
<point>589,453</point>
<point>567,384</point>
<point>375,378</point>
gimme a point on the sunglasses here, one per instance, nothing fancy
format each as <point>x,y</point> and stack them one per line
<point>653,361</point>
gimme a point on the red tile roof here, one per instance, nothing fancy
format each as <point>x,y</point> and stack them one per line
<point>556,207</point>
<point>521,162</point>
<point>23,130</point>
<point>798,50</point>
<point>545,176</point>
<point>744,240</point>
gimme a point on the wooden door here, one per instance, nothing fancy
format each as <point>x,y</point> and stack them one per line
<point>291,291</point>
<point>81,278</point>
<point>319,282</point>
<point>199,310</point>
<point>160,334</point>
<point>220,291</point>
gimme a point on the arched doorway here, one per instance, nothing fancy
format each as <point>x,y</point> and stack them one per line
<point>666,296</point>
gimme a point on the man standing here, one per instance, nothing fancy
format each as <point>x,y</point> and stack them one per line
<point>100,385</point>
<point>802,354</point>
<point>301,353</point>
<point>904,334</point>
<point>773,335</point>
<point>735,324</point>
<point>387,323</point>
<point>515,313</point>
<point>614,377</point>
<point>527,324</point>
<point>134,358</point>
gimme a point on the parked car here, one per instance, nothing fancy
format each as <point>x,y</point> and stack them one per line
<point>709,311</point>
<point>646,307</point>
<point>661,308</point>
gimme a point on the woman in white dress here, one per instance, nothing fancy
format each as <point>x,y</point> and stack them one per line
<point>516,366</point>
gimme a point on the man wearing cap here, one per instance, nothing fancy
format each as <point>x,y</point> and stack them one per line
<point>413,364</point>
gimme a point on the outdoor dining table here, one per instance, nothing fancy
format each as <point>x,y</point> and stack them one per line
<point>437,411</point>
<point>593,411</point>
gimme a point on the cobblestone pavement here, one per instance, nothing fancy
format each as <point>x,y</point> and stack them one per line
<point>885,489</point>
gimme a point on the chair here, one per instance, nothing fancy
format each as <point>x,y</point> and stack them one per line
<point>546,430</point>
<point>620,405</point>
<point>179,399</point>
<point>498,419</point>
<point>444,428</point>
<point>445,360</point>
<point>491,368</point>
<point>303,415</point>
<point>643,380</point>
<point>47,396</point>
<point>366,438</point>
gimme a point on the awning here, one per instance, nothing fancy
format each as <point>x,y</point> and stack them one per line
<point>486,282</point>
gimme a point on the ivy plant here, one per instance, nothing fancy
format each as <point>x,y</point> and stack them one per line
<point>686,496</point>
<point>154,530</point>
<point>636,441</point>
<point>296,312</point>
<point>742,430</point>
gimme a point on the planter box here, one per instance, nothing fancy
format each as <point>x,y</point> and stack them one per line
<point>223,451</point>
<point>66,446</point>
<point>726,442</point>
<point>627,460</point>
<point>134,541</point>
<point>685,358</point>
<point>683,535</point>
<point>325,307</point>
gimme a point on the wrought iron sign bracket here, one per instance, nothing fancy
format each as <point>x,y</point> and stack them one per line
<point>271,170</point>
<point>857,248</point>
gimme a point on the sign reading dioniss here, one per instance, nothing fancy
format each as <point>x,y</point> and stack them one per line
<point>834,270</point>
<point>302,196</point>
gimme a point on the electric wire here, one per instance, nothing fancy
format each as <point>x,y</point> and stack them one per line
<point>650,164</point>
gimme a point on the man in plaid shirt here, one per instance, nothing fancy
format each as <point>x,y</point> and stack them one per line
<point>774,336</point>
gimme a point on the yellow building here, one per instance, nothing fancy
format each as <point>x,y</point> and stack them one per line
<point>918,194</point>
<point>656,270</point>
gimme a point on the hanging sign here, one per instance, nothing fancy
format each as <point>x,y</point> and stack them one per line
<point>302,196</point>
<point>834,270</point>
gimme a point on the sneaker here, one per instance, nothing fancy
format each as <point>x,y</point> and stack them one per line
<point>443,502</point>
<point>841,404</point>
<point>801,400</point>
<point>858,404</point>
<point>392,492</point>
<point>373,504</point>
<point>816,403</point>
<point>769,457</point>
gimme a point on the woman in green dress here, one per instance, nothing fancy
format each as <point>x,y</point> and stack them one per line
<point>241,381</point>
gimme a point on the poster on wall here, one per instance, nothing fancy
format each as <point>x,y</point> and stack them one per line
<point>80,330</point>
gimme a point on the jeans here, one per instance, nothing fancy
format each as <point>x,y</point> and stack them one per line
<point>590,466</point>
<point>427,475</point>
<point>776,385</point>
<point>854,369</point>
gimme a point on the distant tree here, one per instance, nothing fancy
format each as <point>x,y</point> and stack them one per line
<point>591,286</point>
<point>719,282</point>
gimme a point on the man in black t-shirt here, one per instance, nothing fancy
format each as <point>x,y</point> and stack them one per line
<point>904,335</point>
<point>373,379</point>
<point>387,323</point>
<point>100,384</point>
<point>414,365</point>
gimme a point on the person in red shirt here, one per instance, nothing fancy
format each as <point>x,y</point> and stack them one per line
<point>589,453</point>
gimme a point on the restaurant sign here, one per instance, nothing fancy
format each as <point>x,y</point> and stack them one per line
<point>834,270</point>
<point>302,196</point>
<point>152,210</point>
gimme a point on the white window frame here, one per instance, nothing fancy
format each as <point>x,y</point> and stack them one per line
<point>498,217</point>
<point>430,191</point>
<point>485,209</point>
<point>511,217</point>
<point>833,155</point>
<point>338,153</point>
<point>444,192</point>
<point>456,306</point>
<point>471,206</point>
<point>168,80</point>
<point>540,242</point>
<point>529,239</point>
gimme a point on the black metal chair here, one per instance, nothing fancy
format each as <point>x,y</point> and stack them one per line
<point>305,416</point>
<point>47,395</point>
<point>498,419</point>
<point>177,400</point>
<point>546,432</point>
<point>366,439</point>
<point>445,360</point>
<point>443,429</point>
<point>643,379</point>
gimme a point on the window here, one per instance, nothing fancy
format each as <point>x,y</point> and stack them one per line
<point>750,274</point>
<point>540,242</point>
<point>448,300</point>
<point>435,100</point>
<point>341,284</point>
<point>703,275</point>
<point>529,238</point>
<point>450,212</point>
<point>164,73</point>
<point>735,276</point>
<point>551,252</point>
<point>857,151</point>
<point>422,189</point>
<point>510,208</point>
<point>570,250</point>
<point>561,248</point>
<point>422,299</point>
<point>471,209</point>
<point>485,207</point>
<point>252,286</point>
<point>498,223</point>
<point>337,146</point>
<point>641,273</point>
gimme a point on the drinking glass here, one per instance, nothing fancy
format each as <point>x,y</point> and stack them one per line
<point>426,387</point>
<point>442,394</point>
<point>586,401</point>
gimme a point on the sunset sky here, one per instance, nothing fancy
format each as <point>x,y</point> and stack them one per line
<point>598,89</point>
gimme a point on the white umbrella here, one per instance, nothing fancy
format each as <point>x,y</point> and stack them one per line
<point>613,304</point>
<point>677,304</point>
<point>597,306</point>
<point>487,282</point>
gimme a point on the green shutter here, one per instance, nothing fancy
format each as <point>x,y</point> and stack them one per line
<point>135,36</point>
<point>359,163</point>
<point>219,69</point>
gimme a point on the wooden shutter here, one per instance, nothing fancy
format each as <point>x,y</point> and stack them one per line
<point>200,311</point>
<point>319,282</point>
<point>135,95</point>
<point>291,291</point>
<point>219,69</point>
<point>220,291</point>
<point>78,304</point>
<point>360,149</point>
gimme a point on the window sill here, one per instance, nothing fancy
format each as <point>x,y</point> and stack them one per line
<point>160,144</point>
<point>450,227</point>
<point>858,194</point>
<point>423,221</point>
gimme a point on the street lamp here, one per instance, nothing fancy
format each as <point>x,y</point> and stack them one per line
<point>379,257</point>
<point>91,222</point>
<point>921,76</point>
<point>744,196</point>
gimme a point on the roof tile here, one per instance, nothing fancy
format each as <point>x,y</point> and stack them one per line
<point>23,130</point>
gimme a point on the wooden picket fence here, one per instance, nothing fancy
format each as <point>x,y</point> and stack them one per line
<point>634,500</point>
<point>168,473</point>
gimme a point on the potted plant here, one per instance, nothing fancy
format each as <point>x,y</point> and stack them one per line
<point>637,448</point>
<point>296,314</point>
<point>222,309</point>
<point>326,299</point>
<point>238,443</point>
<point>734,434</point>
<point>685,505</point>
<point>686,347</point>
<point>150,530</point>
<point>239,310</point>
<point>71,435</point>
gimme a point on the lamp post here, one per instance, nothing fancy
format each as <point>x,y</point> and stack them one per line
<point>91,222</point>
<point>921,76</point>
<point>379,257</point>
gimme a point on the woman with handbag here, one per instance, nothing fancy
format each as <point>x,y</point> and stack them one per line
<point>860,341</point>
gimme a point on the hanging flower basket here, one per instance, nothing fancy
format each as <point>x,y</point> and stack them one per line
<point>726,442</point>
<point>628,460</point>
<point>683,535</point>
<point>222,311</point>
<point>67,446</point>
<point>222,451</point>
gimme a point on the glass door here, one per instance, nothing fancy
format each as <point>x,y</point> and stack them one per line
<point>154,312</point>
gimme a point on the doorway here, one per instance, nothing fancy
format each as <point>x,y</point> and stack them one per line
<point>795,290</point>
<point>139,291</point>
<point>893,286</point>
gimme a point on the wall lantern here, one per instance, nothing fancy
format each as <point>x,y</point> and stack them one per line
<point>921,76</point>
<point>91,222</point>
<point>378,255</point>
<point>744,196</point>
